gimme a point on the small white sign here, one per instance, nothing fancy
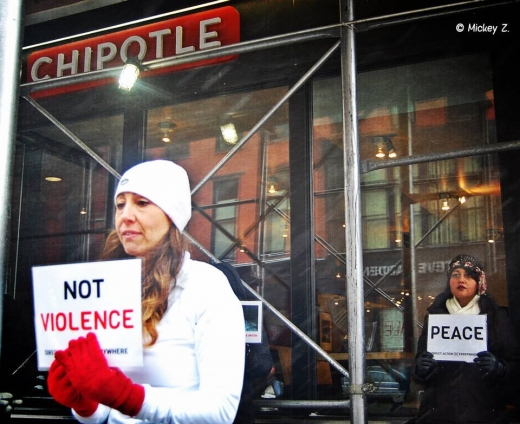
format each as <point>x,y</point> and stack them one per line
<point>456,337</point>
<point>102,297</point>
<point>253,320</point>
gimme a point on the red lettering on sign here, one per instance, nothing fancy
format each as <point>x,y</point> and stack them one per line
<point>114,324</point>
<point>101,320</point>
<point>85,320</point>
<point>61,321</point>
<point>177,36</point>
<point>127,318</point>
<point>45,321</point>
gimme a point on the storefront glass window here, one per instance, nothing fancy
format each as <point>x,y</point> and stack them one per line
<point>241,211</point>
<point>411,103</point>
<point>439,207</point>
<point>60,206</point>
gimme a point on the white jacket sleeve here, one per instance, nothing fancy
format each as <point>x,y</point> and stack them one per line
<point>220,354</point>
<point>100,416</point>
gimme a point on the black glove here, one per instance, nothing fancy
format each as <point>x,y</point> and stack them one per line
<point>489,365</point>
<point>425,364</point>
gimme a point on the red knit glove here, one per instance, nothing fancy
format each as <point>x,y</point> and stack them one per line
<point>89,372</point>
<point>63,392</point>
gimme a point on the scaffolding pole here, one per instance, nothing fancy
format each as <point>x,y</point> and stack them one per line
<point>353,247</point>
<point>11,25</point>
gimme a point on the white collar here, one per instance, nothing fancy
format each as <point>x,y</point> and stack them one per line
<point>471,308</point>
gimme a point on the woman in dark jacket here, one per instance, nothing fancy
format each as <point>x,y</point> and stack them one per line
<point>461,392</point>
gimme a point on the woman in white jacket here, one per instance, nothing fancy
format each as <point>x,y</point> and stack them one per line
<point>193,326</point>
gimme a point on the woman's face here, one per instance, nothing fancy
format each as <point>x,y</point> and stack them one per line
<point>140,223</point>
<point>462,286</point>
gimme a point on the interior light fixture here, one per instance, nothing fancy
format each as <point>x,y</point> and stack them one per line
<point>272,185</point>
<point>166,128</point>
<point>384,141</point>
<point>229,133</point>
<point>129,74</point>
<point>444,199</point>
<point>379,143</point>
<point>462,200</point>
<point>390,146</point>
<point>53,179</point>
<point>493,235</point>
<point>380,153</point>
<point>83,211</point>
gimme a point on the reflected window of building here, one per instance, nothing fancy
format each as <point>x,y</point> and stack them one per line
<point>332,165</point>
<point>225,195</point>
<point>277,221</point>
<point>374,216</point>
<point>277,229</point>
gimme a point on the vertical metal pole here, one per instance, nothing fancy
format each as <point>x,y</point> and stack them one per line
<point>354,251</point>
<point>264,141</point>
<point>11,25</point>
<point>416,330</point>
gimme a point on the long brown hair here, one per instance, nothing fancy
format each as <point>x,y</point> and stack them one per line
<point>160,270</point>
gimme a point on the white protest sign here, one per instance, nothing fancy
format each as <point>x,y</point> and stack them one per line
<point>253,320</point>
<point>102,297</point>
<point>456,337</point>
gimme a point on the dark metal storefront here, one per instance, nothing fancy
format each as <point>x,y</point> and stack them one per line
<point>286,69</point>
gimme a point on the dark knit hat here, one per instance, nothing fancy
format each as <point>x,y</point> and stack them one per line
<point>473,267</point>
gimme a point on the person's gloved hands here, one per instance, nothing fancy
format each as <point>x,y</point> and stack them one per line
<point>88,370</point>
<point>7,402</point>
<point>489,365</point>
<point>425,364</point>
<point>62,390</point>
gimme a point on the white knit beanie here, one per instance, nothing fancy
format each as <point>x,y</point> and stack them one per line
<point>163,183</point>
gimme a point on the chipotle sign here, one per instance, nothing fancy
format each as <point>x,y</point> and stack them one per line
<point>170,38</point>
